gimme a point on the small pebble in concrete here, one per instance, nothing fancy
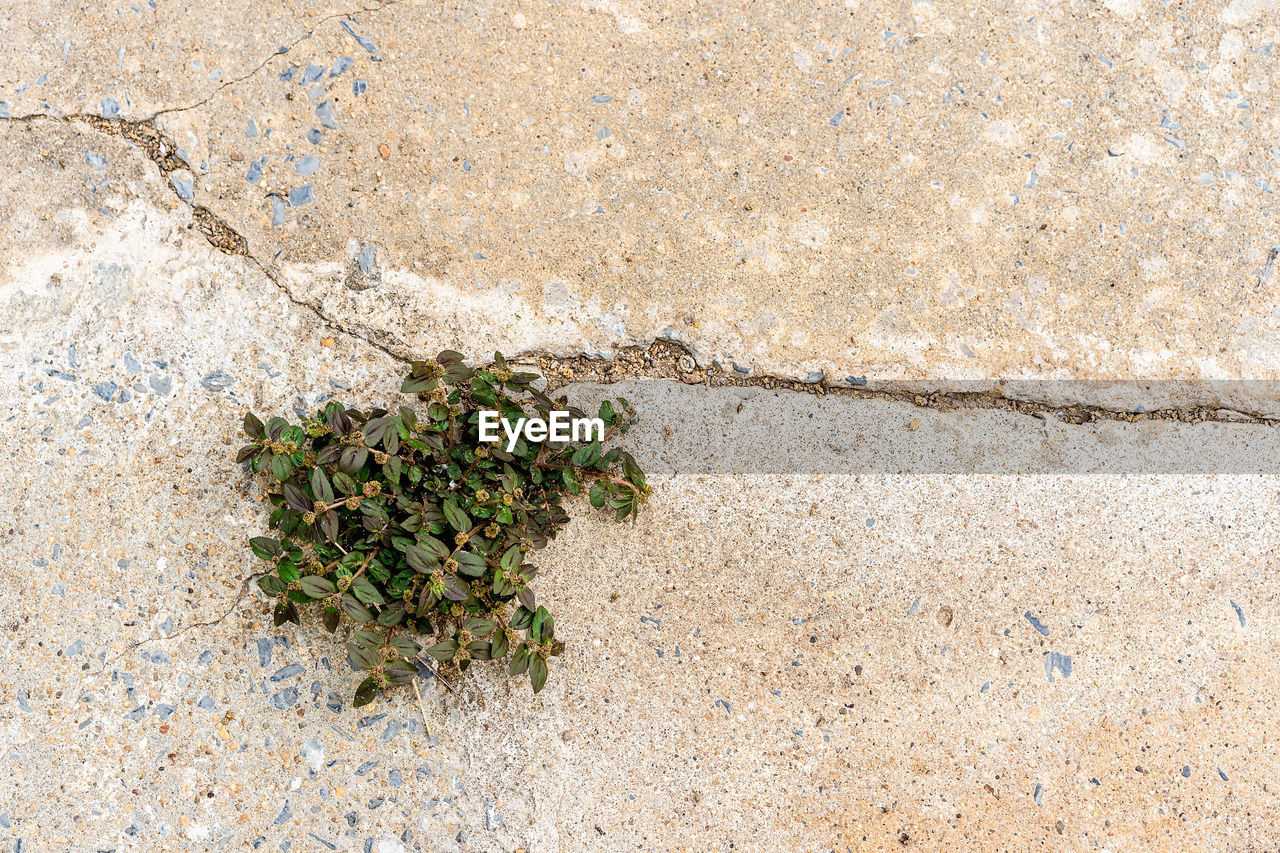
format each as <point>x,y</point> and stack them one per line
<point>288,672</point>
<point>363,41</point>
<point>1239,613</point>
<point>1055,662</point>
<point>217,381</point>
<point>492,820</point>
<point>324,112</point>
<point>1036,623</point>
<point>285,699</point>
<point>183,185</point>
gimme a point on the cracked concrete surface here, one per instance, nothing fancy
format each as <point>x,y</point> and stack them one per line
<point>952,333</point>
<point>867,194</point>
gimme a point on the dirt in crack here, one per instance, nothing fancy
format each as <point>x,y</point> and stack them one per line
<point>671,360</point>
<point>662,359</point>
<point>161,151</point>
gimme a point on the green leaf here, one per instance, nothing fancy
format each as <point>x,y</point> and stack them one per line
<point>443,651</point>
<point>331,616</point>
<point>511,559</point>
<point>353,459</point>
<point>597,496</point>
<point>276,426</point>
<point>527,598</point>
<point>365,693</point>
<point>520,660</point>
<point>400,671</point>
<point>407,423</point>
<point>272,585</point>
<point>286,611</point>
<point>570,480</point>
<point>364,590</point>
<point>522,618</point>
<point>537,672</point>
<point>354,610</point>
<point>477,626</point>
<point>318,586</point>
<point>420,559</point>
<point>363,657</point>
<point>454,589</point>
<point>435,546</point>
<point>375,430</point>
<point>320,485</point>
<point>455,516</point>
<point>632,470</point>
<point>247,452</point>
<point>287,571</point>
<point>393,614</point>
<point>405,646</point>
<point>265,548</point>
<point>281,467</point>
<point>295,497</point>
<point>368,639</point>
<point>419,385</point>
<point>253,426</point>
<point>345,484</point>
<point>540,618</point>
<point>328,522</point>
<point>586,456</point>
<point>469,564</point>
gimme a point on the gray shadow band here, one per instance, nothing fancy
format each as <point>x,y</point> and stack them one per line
<point>696,429</point>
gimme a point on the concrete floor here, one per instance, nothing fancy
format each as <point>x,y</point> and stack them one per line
<point>843,621</point>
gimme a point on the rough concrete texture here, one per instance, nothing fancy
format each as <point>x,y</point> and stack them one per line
<point>884,190</point>
<point>842,621</point>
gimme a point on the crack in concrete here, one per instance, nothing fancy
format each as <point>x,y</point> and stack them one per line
<point>231,608</point>
<point>280,51</point>
<point>672,360</point>
<point>107,663</point>
<point>157,147</point>
<point>161,150</point>
<point>662,359</point>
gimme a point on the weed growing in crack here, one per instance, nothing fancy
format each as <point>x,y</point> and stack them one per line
<point>406,525</point>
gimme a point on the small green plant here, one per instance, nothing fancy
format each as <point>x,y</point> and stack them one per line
<point>406,525</point>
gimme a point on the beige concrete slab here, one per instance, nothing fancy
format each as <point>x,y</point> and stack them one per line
<point>842,622</point>
<point>959,192</point>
